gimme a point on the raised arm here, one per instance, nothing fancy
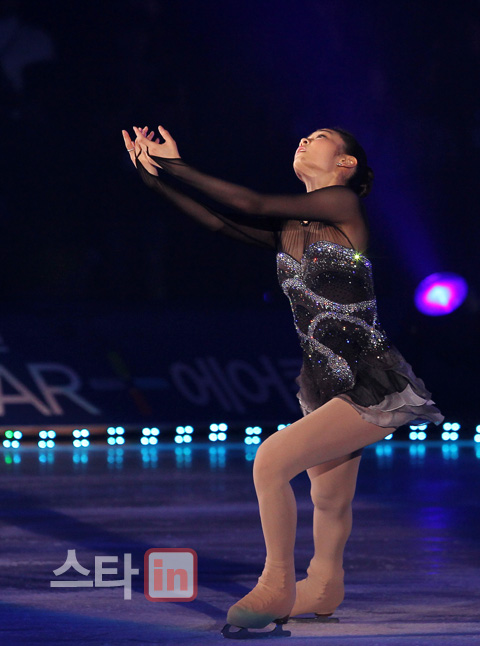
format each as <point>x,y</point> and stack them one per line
<point>253,233</point>
<point>336,204</point>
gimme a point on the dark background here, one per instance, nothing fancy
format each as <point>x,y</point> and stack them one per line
<point>237,84</point>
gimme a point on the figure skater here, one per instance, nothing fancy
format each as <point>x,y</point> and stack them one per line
<point>355,388</point>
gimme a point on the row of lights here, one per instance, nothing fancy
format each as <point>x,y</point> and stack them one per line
<point>218,433</point>
<point>449,433</point>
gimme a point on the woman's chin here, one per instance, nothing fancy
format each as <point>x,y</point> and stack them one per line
<point>298,172</point>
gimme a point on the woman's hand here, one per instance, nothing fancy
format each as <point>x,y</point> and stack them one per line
<point>168,149</point>
<point>136,151</point>
<point>145,145</point>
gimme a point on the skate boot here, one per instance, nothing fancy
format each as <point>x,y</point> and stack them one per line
<point>271,600</point>
<point>319,594</point>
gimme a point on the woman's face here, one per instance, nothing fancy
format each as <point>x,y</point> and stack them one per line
<point>318,153</point>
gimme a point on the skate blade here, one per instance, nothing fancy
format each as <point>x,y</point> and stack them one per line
<point>316,619</point>
<point>245,633</point>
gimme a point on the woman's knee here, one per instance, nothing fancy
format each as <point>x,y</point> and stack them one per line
<point>331,500</point>
<point>268,467</point>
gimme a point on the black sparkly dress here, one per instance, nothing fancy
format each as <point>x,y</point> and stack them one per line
<point>346,354</point>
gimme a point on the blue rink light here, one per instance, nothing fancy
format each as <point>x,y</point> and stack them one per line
<point>149,436</point>
<point>218,432</point>
<point>252,435</point>
<point>417,435</point>
<point>253,430</point>
<point>440,293</point>
<point>417,432</point>
<point>12,440</point>
<point>450,431</point>
<point>252,440</point>
<point>476,438</point>
<point>115,435</point>
<point>453,436</point>
<point>81,438</point>
<point>115,430</point>
<point>11,444</point>
<point>183,434</point>
<point>47,439</point>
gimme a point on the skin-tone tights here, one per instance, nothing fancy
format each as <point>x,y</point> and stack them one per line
<point>332,489</point>
<point>324,443</point>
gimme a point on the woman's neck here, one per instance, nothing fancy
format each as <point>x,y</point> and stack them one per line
<point>315,182</point>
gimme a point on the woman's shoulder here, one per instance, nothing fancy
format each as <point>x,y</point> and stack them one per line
<point>339,190</point>
<point>339,200</point>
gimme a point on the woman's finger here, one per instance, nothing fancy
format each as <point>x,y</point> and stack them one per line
<point>139,133</point>
<point>129,145</point>
<point>126,139</point>
<point>165,134</point>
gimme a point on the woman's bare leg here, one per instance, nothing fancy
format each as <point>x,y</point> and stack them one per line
<point>332,489</point>
<point>329,433</point>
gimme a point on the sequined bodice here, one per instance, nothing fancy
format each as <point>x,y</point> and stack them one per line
<point>333,302</point>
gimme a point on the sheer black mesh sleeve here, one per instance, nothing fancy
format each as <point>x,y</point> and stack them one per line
<point>336,204</point>
<point>256,232</point>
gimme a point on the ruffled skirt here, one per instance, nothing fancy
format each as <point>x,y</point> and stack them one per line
<point>386,393</point>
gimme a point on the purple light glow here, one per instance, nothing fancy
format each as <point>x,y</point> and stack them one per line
<point>440,294</point>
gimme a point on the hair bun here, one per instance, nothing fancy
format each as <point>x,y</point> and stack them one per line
<point>365,186</point>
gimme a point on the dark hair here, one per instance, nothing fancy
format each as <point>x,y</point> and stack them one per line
<point>361,181</point>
